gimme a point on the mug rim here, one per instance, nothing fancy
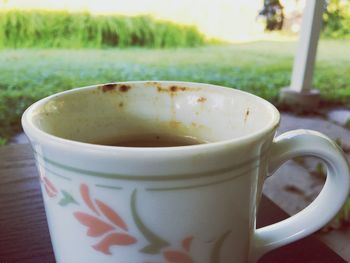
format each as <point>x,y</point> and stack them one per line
<point>32,131</point>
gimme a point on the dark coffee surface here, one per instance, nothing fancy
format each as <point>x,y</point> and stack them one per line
<point>150,140</point>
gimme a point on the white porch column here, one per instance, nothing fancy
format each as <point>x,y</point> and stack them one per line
<point>300,92</point>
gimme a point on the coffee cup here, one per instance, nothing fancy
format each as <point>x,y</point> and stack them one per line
<point>164,171</point>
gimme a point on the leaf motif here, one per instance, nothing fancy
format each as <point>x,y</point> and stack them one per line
<point>49,192</point>
<point>84,190</point>
<point>150,249</point>
<point>111,215</point>
<point>96,227</point>
<point>174,256</point>
<point>215,253</point>
<point>49,185</point>
<point>66,199</point>
<point>186,243</point>
<point>156,243</point>
<point>115,239</point>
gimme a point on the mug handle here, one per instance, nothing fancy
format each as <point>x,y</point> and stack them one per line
<point>323,208</point>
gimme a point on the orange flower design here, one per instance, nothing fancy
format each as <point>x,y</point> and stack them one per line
<point>180,256</point>
<point>49,187</point>
<point>103,220</point>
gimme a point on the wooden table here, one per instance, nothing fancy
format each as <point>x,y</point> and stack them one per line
<point>24,235</point>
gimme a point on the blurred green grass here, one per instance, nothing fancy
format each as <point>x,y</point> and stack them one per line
<point>262,68</point>
<point>62,29</point>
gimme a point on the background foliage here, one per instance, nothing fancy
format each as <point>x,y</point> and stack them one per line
<point>28,72</point>
<point>337,19</point>
<point>274,15</point>
<point>262,68</point>
<point>61,29</point>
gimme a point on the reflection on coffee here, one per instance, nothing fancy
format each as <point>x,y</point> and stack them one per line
<point>151,140</point>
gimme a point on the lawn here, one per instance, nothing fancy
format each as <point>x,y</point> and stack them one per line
<point>262,68</point>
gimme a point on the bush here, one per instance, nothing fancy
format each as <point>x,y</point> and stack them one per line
<point>273,13</point>
<point>61,29</point>
<point>337,19</point>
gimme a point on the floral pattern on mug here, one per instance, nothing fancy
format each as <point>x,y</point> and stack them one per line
<point>106,224</point>
<point>103,220</point>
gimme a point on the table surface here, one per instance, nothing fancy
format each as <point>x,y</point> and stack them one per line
<point>24,235</point>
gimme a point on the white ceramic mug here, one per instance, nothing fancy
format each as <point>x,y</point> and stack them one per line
<point>187,204</point>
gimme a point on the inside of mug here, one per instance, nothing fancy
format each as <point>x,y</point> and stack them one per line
<point>206,112</point>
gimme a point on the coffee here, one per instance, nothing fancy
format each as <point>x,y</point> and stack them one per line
<point>151,140</point>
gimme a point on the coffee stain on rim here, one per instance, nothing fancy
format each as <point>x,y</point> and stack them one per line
<point>174,89</point>
<point>124,88</point>
<point>177,88</point>
<point>246,115</point>
<point>110,87</point>
<point>175,124</point>
<point>201,100</point>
